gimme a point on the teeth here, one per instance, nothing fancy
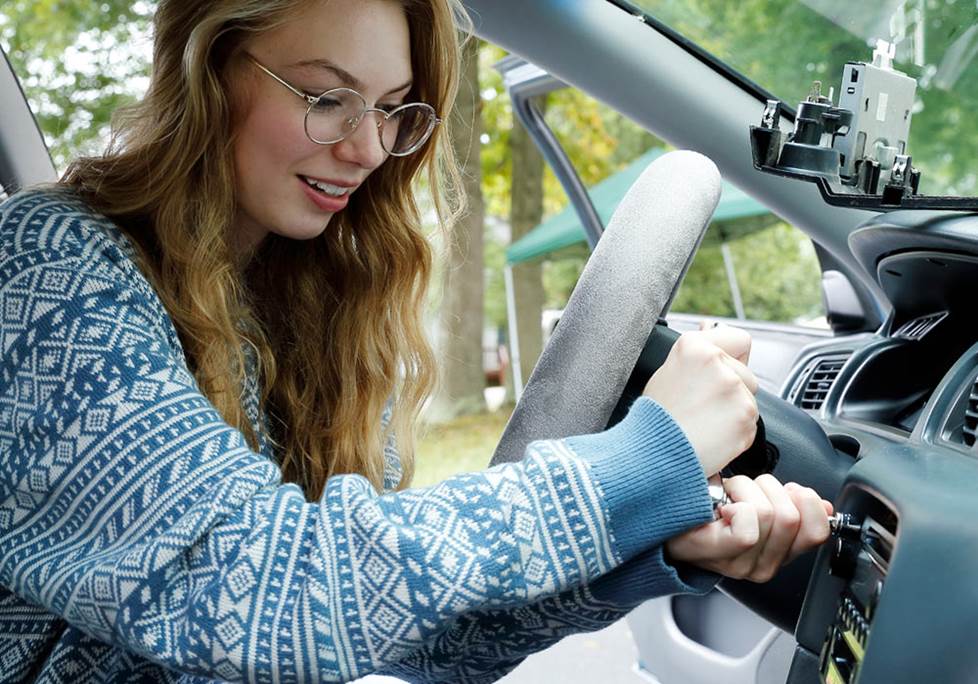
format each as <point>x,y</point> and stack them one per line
<point>332,190</point>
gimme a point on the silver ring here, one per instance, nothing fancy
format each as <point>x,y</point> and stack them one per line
<point>718,497</point>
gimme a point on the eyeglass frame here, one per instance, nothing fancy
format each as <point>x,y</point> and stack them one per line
<point>312,100</point>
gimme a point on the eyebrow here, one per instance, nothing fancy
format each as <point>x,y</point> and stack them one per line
<point>345,76</point>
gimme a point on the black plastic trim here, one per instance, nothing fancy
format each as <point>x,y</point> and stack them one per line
<point>833,347</point>
<point>725,70</point>
<point>804,667</point>
<point>940,424</point>
<point>875,313</point>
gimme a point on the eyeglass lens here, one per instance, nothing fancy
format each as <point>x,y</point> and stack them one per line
<point>338,112</point>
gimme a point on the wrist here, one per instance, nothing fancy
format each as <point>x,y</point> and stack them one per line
<point>649,477</point>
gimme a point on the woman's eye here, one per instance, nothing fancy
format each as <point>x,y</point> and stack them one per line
<point>326,104</point>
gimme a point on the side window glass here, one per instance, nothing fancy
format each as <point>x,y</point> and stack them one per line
<point>754,267</point>
<point>77,65</point>
<point>751,265</point>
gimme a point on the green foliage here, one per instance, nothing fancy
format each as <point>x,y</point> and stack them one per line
<point>78,61</point>
<point>497,117</point>
<point>494,260</point>
<point>777,273</point>
<point>785,44</point>
<point>560,274</point>
<point>704,289</point>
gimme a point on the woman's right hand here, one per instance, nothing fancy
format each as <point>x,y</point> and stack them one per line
<point>708,390</point>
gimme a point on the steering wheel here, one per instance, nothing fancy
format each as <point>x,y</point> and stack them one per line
<point>610,340</point>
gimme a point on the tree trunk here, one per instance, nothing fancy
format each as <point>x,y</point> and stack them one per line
<point>461,315</point>
<point>526,212</point>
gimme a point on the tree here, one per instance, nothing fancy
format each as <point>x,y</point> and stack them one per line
<point>78,61</point>
<point>461,316</point>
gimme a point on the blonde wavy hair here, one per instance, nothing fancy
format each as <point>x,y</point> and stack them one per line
<point>335,322</point>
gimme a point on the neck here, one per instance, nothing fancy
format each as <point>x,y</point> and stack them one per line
<point>246,238</point>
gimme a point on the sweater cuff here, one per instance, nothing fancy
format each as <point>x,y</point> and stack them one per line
<point>649,575</point>
<point>653,485</point>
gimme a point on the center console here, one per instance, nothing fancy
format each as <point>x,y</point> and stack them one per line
<point>860,559</point>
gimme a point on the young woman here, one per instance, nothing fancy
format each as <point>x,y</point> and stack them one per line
<point>212,362</point>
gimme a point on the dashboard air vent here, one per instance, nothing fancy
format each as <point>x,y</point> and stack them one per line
<point>918,327</point>
<point>971,416</point>
<point>816,380</point>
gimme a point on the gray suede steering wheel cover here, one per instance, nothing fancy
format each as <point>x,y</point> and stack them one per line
<point>626,284</point>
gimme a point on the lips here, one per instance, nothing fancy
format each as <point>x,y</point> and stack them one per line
<point>321,198</point>
<point>333,188</point>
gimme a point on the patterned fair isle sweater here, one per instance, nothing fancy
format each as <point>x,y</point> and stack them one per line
<point>141,539</point>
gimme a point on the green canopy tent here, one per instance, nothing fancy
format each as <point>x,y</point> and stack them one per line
<point>565,229</point>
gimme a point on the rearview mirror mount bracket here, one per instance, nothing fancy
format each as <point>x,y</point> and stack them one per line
<point>856,151</point>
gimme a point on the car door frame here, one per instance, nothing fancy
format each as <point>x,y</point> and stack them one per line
<point>24,156</point>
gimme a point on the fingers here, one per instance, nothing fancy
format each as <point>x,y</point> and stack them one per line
<point>785,526</point>
<point>767,525</point>
<point>733,341</point>
<point>743,372</point>
<point>814,525</point>
<point>735,344</point>
<point>714,545</point>
<point>742,532</point>
<point>745,490</point>
<point>791,520</point>
<point>710,396</point>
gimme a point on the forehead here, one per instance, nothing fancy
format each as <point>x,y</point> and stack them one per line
<point>369,39</point>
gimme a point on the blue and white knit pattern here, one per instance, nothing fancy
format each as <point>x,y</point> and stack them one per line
<point>142,540</point>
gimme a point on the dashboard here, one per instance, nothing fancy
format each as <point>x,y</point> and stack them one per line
<point>893,599</point>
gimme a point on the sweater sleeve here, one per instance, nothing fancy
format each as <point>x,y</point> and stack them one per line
<point>129,508</point>
<point>484,645</point>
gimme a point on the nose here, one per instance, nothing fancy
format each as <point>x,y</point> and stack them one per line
<point>362,146</point>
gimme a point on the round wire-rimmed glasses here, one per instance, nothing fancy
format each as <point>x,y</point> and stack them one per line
<point>333,115</point>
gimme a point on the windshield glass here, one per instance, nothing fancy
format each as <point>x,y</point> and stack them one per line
<point>784,45</point>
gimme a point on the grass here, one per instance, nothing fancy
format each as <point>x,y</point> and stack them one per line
<point>459,446</point>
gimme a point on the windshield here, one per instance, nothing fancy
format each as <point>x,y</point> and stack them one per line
<point>784,45</point>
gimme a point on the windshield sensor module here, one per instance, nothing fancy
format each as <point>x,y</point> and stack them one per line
<point>856,151</point>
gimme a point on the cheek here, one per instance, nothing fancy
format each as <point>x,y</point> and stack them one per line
<point>269,142</point>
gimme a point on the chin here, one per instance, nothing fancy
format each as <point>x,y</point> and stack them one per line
<point>306,230</point>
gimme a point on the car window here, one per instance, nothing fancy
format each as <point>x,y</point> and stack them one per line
<point>784,45</point>
<point>752,265</point>
<point>75,77</point>
<point>77,65</point>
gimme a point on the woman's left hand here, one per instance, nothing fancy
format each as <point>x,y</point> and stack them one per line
<point>767,525</point>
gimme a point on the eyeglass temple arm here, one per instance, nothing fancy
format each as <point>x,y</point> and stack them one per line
<point>308,98</point>
<point>311,99</point>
